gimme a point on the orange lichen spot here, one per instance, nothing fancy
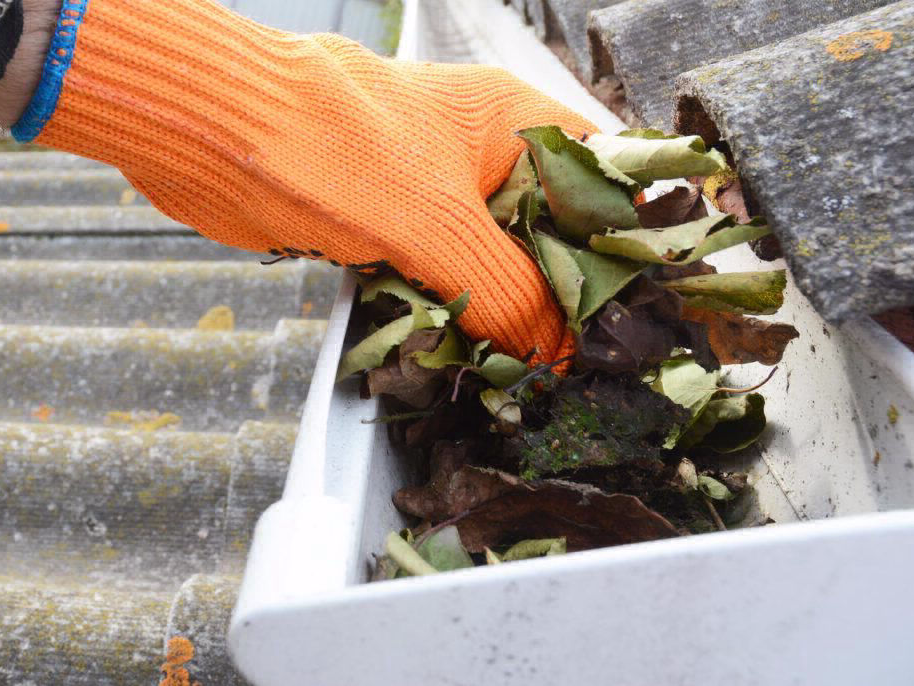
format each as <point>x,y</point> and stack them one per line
<point>218,318</point>
<point>43,413</point>
<point>4,227</point>
<point>307,308</point>
<point>853,46</point>
<point>180,650</point>
<point>640,199</point>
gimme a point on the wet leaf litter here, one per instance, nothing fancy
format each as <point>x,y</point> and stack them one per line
<point>628,440</point>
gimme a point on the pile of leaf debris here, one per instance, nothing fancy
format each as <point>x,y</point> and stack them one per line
<point>627,444</point>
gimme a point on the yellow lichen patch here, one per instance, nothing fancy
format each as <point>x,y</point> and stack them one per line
<point>893,415</point>
<point>43,413</point>
<point>853,46</point>
<point>128,196</point>
<point>713,185</point>
<point>219,318</point>
<point>180,650</point>
<point>4,227</point>
<point>144,421</point>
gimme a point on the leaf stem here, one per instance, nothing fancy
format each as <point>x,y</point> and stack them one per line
<point>391,418</point>
<point>406,557</point>
<point>539,371</point>
<point>714,514</point>
<point>751,388</point>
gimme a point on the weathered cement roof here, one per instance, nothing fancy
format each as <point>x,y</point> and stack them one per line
<point>648,43</point>
<point>138,447</point>
<point>819,126</point>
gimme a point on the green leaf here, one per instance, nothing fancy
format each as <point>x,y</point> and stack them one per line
<point>502,370</point>
<point>408,559</point>
<point>444,551</point>
<point>647,155</point>
<point>563,272</point>
<point>521,226</point>
<point>526,550</point>
<point>370,352</point>
<point>682,244</point>
<point>477,351</point>
<point>604,277</point>
<point>396,287</point>
<point>451,350</point>
<point>501,405</point>
<point>728,424</point>
<point>714,489</point>
<point>457,306</point>
<point>738,292</point>
<point>686,383</point>
<point>584,198</point>
<point>503,202</point>
<point>492,557</point>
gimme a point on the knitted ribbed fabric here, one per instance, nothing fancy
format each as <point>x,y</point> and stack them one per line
<point>314,146</point>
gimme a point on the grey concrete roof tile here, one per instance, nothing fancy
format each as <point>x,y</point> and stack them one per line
<point>818,126</point>
<point>566,22</point>
<point>648,43</point>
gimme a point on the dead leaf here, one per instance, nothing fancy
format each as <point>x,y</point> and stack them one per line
<point>736,339</point>
<point>404,378</point>
<point>679,206</point>
<point>504,509</point>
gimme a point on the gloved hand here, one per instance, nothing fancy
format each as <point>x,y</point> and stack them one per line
<point>308,146</point>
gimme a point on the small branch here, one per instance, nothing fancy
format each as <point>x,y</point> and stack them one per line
<point>751,388</point>
<point>539,371</point>
<point>406,416</point>
<point>714,515</point>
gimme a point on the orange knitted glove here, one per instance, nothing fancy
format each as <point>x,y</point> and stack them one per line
<point>307,146</point>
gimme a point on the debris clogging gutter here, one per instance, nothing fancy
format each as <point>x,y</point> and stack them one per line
<point>829,600</point>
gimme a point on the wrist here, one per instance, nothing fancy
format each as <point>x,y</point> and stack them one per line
<point>24,70</point>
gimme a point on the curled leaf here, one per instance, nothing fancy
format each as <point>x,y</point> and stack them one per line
<point>584,197</point>
<point>444,551</point>
<point>563,272</point>
<point>503,202</point>
<point>370,352</point>
<point>687,384</point>
<point>739,292</point>
<point>451,351</point>
<point>728,424</point>
<point>406,558</point>
<point>501,405</point>
<point>736,339</point>
<point>680,244</point>
<point>543,547</point>
<point>648,155</point>
<point>397,287</point>
<point>714,489</point>
<point>504,509</point>
<point>679,206</point>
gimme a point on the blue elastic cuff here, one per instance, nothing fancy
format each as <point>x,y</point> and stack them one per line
<point>60,55</point>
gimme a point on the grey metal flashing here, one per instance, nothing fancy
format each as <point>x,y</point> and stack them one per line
<point>818,126</point>
<point>648,43</point>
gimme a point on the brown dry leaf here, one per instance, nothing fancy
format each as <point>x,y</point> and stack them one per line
<point>402,377</point>
<point>679,206</point>
<point>736,339</point>
<point>503,509</point>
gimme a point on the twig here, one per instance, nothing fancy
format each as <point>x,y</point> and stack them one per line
<point>277,260</point>
<point>751,388</point>
<point>539,371</point>
<point>391,418</point>
<point>714,515</point>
